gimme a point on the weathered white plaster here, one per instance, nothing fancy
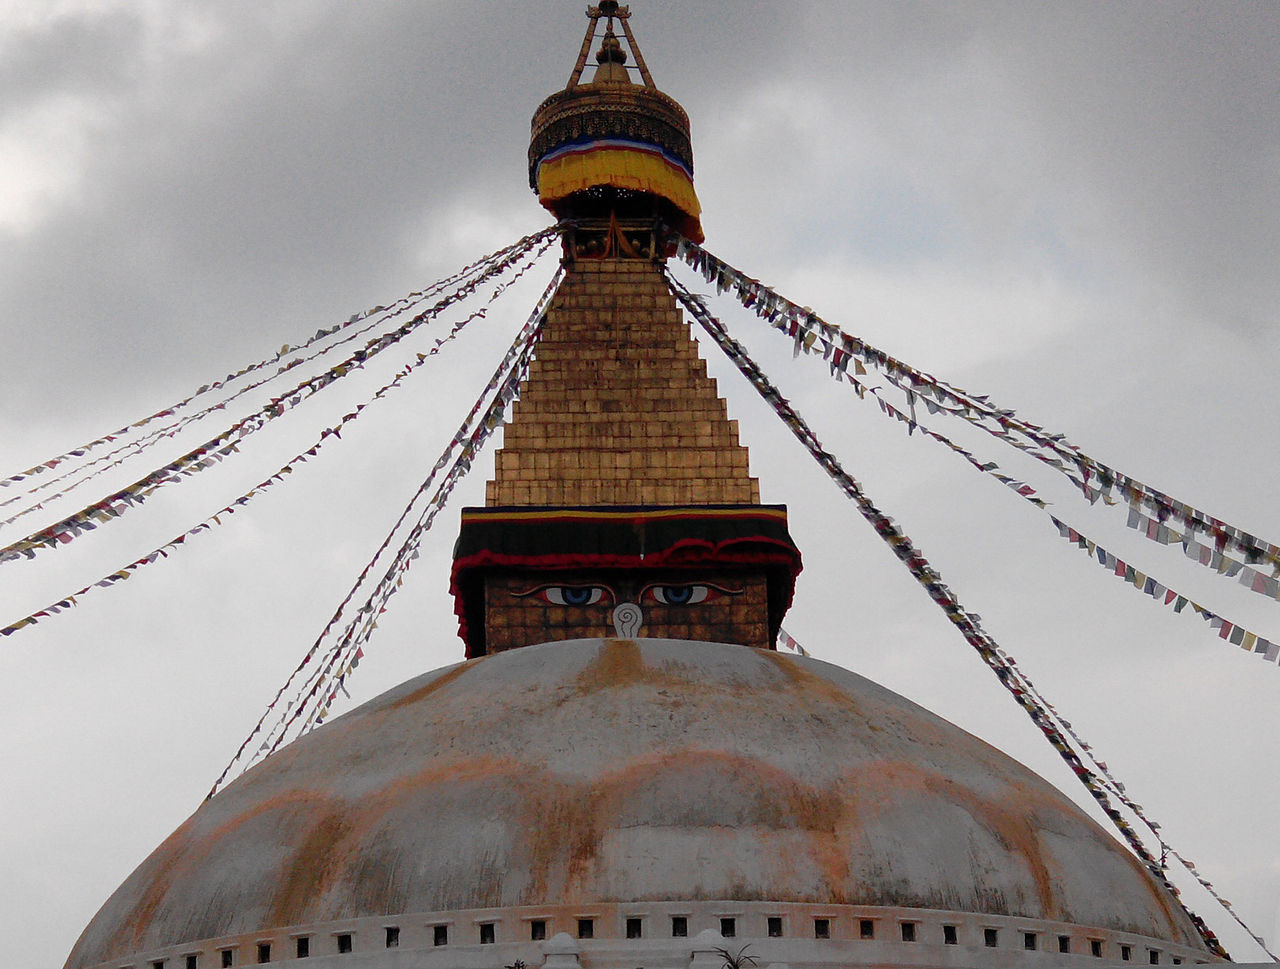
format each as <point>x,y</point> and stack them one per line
<point>624,779</point>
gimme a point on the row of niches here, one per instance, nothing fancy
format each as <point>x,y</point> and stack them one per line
<point>678,935</point>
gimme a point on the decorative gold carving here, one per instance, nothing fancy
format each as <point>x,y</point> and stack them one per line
<point>638,113</point>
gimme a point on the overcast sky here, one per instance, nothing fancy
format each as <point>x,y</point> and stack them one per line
<point>1071,207</point>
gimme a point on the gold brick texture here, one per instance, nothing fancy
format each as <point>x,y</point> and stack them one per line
<point>617,408</point>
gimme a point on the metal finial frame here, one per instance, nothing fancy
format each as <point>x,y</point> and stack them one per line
<point>624,14</point>
<point>611,10</point>
<point>594,14</point>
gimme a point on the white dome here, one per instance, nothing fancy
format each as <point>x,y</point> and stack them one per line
<point>602,772</point>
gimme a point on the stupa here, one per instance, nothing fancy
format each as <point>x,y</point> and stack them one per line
<point>624,771</point>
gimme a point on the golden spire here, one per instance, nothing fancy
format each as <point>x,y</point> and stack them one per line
<point>621,484</point>
<point>614,147</point>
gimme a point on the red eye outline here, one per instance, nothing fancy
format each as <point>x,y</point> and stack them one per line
<point>700,592</point>
<point>552,594</point>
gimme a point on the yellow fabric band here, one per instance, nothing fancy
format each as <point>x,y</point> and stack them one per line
<point>624,168</point>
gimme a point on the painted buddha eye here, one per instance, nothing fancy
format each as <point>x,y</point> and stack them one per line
<point>680,595</point>
<point>685,593</point>
<point>571,595</point>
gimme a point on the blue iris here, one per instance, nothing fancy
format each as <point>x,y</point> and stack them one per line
<point>576,597</point>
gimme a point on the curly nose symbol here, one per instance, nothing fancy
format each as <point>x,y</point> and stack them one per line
<point>627,619</point>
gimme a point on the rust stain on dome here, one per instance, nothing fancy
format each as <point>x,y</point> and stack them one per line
<point>806,682</point>
<point>182,854</point>
<point>695,790</point>
<point>618,663</point>
<point>128,934</point>
<point>313,864</point>
<point>1010,821</point>
<point>564,834</point>
<point>438,683</point>
<point>344,842</point>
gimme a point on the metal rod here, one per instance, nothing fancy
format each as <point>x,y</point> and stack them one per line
<point>594,14</point>
<point>635,49</point>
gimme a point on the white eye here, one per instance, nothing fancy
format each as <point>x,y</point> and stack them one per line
<point>568,595</point>
<point>679,595</point>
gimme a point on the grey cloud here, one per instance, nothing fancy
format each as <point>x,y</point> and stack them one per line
<point>87,53</point>
<point>1142,137</point>
<point>355,129</point>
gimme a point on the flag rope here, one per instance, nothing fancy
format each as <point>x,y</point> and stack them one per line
<point>394,309</point>
<point>348,651</point>
<point>471,436</point>
<point>967,623</point>
<point>1121,794</point>
<point>1232,632</point>
<point>127,571</point>
<point>125,452</point>
<point>225,443</point>
<point>811,334</point>
<point>1143,582</point>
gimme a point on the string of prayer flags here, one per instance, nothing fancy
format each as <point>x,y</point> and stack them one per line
<point>1117,789</point>
<point>127,451</point>
<point>1150,586</point>
<point>1095,480</point>
<point>785,640</point>
<point>502,390</point>
<point>1153,529</point>
<point>472,435</point>
<point>131,448</point>
<point>218,447</point>
<point>810,334</point>
<point>231,508</point>
<point>394,309</point>
<point>469,448</point>
<point>1210,555</point>
<point>500,386</point>
<point>969,624</point>
<point>151,558</point>
<point>312,703</point>
<point>1021,488</point>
